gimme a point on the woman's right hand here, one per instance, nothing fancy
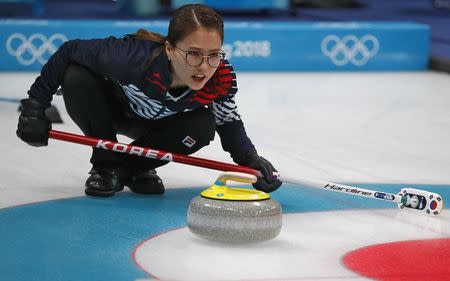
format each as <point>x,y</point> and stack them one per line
<point>33,124</point>
<point>267,183</point>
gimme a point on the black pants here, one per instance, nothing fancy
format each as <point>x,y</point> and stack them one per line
<point>96,105</point>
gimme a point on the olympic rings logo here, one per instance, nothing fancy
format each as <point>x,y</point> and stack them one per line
<point>29,50</point>
<point>350,49</point>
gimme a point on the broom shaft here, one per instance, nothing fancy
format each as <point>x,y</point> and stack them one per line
<point>221,166</point>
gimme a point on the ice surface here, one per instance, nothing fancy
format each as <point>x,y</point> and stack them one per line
<point>340,127</point>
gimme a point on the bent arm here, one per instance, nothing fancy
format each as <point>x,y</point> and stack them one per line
<point>110,57</point>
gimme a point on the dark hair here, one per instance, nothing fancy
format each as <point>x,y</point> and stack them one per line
<point>184,21</point>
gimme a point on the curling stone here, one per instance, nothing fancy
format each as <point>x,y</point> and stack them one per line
<point>234,215</point>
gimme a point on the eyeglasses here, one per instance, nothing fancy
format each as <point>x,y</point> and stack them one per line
<point>195,58</point>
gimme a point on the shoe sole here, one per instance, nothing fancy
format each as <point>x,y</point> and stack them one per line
<point>98,193</point>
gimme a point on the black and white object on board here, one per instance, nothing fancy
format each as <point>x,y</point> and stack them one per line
<point>417,200</point>
<point>421,200</point>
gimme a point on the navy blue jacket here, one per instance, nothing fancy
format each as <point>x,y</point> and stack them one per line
<point>127,62</point>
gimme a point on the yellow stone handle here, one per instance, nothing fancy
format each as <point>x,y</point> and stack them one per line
<point>235,176</point>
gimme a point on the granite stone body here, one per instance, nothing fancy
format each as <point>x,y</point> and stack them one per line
<point>234,221</point>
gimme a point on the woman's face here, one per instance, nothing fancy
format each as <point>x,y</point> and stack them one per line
<point>187,54</point>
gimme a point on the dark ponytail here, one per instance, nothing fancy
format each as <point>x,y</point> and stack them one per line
<point>151,36</point>
<point>144,34</point>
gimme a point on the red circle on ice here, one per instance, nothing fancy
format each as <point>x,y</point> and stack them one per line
<point>401,261</point>
<point>433,205</point>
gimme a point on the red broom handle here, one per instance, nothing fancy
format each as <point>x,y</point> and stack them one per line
<point>216,165</point>
<point>151,153</point>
